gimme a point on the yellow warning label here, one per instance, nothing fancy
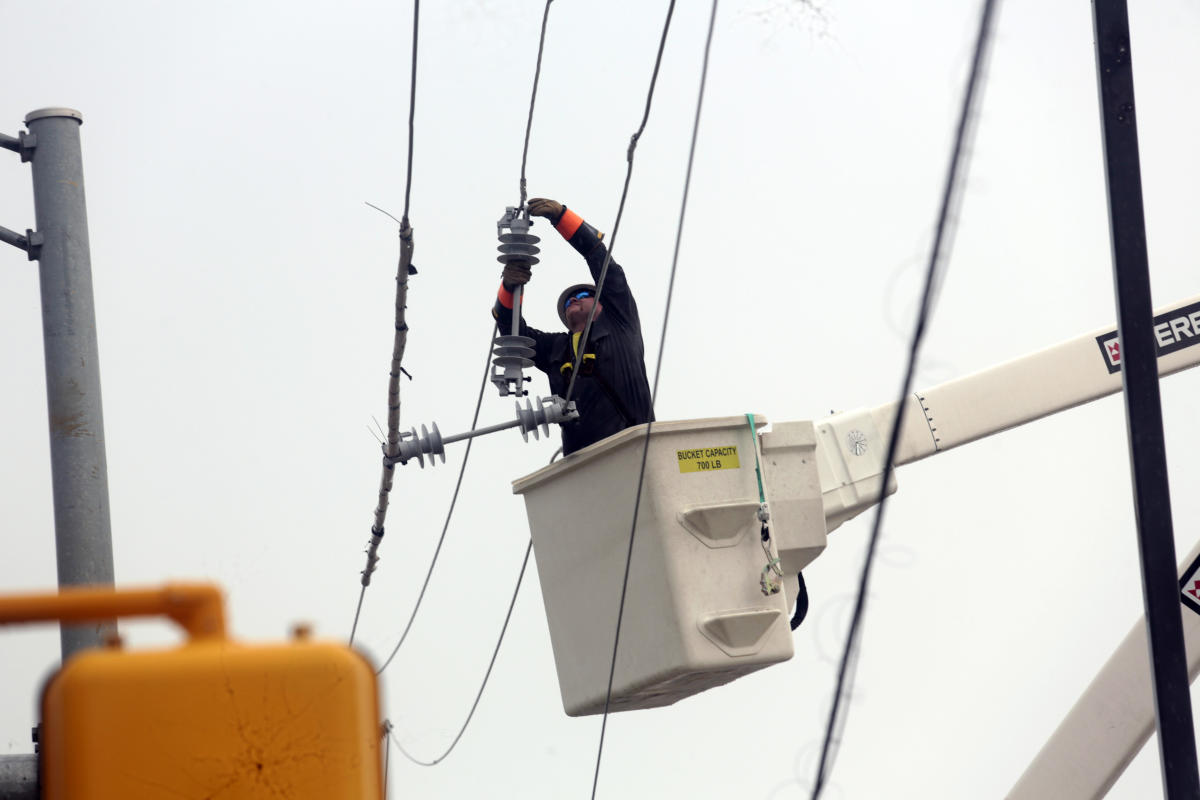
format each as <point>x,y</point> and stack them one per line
<point>706,459</point>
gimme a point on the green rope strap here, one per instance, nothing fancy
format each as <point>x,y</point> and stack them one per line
<point>762,498</point>
<point>769,579</point>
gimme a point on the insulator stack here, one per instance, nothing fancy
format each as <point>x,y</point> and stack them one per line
<point>426,443</point>
<point>513,352</point>
<point>547,412</point>
<point>518,248</point>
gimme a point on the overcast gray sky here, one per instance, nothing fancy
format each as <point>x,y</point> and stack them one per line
<point>244,302</point>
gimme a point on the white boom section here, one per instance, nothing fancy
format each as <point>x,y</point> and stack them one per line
<point>1029,388</point>
<point>1115,716</point>
<point>1110,723</point>
<point>852,444</point>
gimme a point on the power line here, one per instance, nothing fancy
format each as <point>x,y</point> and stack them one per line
<point>474,423</point>
<point>399,342</point>
<point>450,512</point>
<point>357,612</point>
<point>486,675</point>
<point>537,74</point>
<point>387,755</point>
<point>657,374</point>
<point>412,106</point>
<point>943,235</point>
<point>587,329</point>
<point>475,419</point>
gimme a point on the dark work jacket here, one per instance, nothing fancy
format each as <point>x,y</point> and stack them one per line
<point>616,395</point>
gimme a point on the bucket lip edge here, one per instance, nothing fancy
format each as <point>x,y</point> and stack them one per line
<point>591,452</point>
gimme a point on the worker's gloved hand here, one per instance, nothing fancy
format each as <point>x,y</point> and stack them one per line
<point>515,275</point>
<point>550,209</point>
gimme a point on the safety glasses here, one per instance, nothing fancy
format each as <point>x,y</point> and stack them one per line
<point>577,296</point>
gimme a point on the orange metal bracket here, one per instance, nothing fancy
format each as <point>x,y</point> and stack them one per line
<point>197,607</point>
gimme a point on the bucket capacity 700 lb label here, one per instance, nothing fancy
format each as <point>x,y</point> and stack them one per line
<point>707,459</point>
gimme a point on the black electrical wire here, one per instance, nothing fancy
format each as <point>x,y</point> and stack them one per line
<point>474,421</point>
<point>941,244</point>
<point>357,611</point>
<point>657,374</point>
<point>587,329</point>
<point>387,757</point>
<point>486,675</point>
<point>449,513</point>
<point>483,384</point>
<point>537,74</point>
<point>401,335</point>
<point>412,108</point>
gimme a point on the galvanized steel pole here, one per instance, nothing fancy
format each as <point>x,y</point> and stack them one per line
<point>1139,373</point>
<point>19,777</point>
<point>82,529</point>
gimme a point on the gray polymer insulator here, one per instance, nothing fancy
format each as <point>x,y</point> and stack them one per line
<point>548,411</point>
<point>514,352</point>
<point>414,445</point>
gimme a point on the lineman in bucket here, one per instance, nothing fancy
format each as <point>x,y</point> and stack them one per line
<point>611,392</point>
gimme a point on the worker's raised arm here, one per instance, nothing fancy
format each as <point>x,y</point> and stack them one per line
<point>515,275</point>
<point>588,242</point>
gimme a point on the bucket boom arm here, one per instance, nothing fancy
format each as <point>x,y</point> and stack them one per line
<point>852,444</point>
<point>1115,715</point>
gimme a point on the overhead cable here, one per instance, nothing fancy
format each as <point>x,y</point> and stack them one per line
<point>466,456</point>
<point>392,445</point>
<point>479,401</point>
<point>587,329</point>
<point>951,198</point>
<point>399,341</point>
<point>537,74</point>
<point>486,675</point>
<point>657,374</point>
<point>412,107</point>
<point>450,512</point>
<point>387,754</point>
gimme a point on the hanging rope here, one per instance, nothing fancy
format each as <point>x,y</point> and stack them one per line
<point>941,245</point>
<point>769,578</point>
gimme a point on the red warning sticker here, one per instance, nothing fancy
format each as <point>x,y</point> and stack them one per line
<point>1189,586</point>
